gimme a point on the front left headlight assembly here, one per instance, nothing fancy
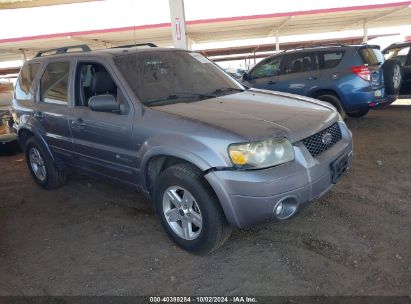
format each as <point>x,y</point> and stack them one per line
<point>261,154</point>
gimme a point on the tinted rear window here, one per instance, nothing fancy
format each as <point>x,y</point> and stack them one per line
<point>371,56</point>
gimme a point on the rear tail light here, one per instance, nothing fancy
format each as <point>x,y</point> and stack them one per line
<point>362,71</point>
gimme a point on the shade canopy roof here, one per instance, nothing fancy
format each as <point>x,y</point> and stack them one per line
<point>264,50</point>
<point>12,4</point>
<point>220,29</point>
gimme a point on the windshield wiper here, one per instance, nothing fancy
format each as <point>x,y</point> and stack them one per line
<point>176,96</point>
<point>224,90</point>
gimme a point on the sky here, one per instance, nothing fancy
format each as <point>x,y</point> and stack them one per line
<point>123,13</point>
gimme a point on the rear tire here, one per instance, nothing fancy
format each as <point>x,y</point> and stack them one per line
<point>42,167</point>
<point>189,210</point>
<point>359,113</point>
<point>392,76</point>
<point>335,101</point>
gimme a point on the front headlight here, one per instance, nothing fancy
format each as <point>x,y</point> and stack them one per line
<point>261,154</point>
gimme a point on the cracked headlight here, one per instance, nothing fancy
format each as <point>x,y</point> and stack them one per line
<point>261,154</point>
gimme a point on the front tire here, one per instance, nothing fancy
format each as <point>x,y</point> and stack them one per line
<point>189,210</point>
<point>42,167</point>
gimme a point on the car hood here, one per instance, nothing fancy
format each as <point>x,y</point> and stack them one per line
<point>259,114</point>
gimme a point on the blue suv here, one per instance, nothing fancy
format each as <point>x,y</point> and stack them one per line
<point>353,78</point>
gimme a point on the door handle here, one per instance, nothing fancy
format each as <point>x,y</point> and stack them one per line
<point>78,123</point>
<point>39,115</point>
<point>271,82</point>
<point>312,78</point>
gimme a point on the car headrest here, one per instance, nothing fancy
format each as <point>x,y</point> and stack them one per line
<point>296,67</point>
<point>101,83</point>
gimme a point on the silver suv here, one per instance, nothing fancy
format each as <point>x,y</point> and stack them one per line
<point>209,153</point>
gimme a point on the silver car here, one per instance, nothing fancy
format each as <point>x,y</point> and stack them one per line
<point>210,153</point>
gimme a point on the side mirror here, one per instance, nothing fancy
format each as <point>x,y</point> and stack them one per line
<point>104,103</point>
<point>246,76</point>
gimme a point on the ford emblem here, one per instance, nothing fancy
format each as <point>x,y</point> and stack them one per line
<point>327,138</point>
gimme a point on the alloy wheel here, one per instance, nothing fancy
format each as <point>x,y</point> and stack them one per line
<point>397,76</point>
<point>182,213</point>
<point>37,164</point>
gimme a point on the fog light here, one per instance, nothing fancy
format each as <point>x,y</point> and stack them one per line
<point>279,209</point>
<point>285,208</point>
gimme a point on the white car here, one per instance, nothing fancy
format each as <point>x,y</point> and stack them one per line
<point>6,93</point>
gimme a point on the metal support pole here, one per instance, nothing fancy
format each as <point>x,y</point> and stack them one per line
<point>23,52</point>
<point>190,42</point>
<point>365,32</point>
<point>178,24</point>
<point>277,41</point>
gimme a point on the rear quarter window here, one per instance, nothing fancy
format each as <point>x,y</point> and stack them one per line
<point>330,59</point>
<point>371,56</point>
<point>24,85</point>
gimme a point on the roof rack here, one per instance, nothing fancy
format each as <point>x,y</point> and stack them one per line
<point>62,50</point>
<point>134,45</point>
<point>333,44</point>
<point>318,45</point>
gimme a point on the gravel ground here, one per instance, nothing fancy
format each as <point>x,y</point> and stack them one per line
<point>91,237</point>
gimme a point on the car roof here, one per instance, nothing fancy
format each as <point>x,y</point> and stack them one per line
<point>109,52</point>
<point>330,47</point>
<point>398,44</point>
<point>324,48</point>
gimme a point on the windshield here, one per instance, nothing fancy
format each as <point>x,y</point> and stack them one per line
<point>164,77</point>
<point>398,53</point>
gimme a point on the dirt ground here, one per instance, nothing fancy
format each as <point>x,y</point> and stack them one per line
<point>94,238</point>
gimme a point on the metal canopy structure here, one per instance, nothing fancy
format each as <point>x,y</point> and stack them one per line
<point>13,4</point>
<point>264,50</point>
<point>222,29</point>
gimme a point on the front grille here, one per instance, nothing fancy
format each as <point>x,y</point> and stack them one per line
<point>315,144</point>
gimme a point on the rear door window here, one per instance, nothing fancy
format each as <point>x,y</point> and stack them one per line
<point>54,83</point>
<point>371,56</point>
<point>331,59</point>
<point>24,84</point>
<point>297,63</point>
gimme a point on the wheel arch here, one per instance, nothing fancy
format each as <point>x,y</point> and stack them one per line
<point>25,133</point>
<point>157,160</point>
<point>319,92</point>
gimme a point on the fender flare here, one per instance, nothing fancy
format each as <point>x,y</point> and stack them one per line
<point>38,137</point>
<point>171,152</point>
<point>335,90</point>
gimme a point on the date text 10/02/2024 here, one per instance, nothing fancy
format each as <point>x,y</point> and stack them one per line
<point>234,299</point>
